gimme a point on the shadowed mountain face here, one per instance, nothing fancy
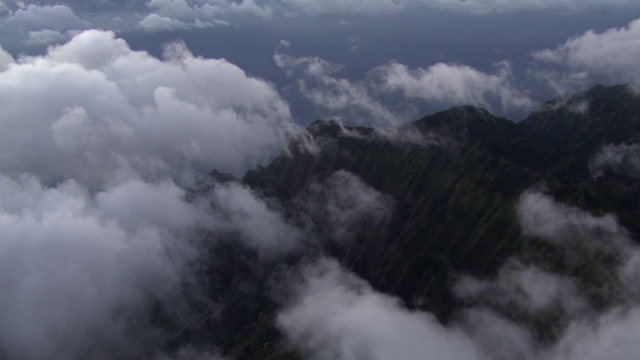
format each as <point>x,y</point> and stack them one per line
<point>451,184</point>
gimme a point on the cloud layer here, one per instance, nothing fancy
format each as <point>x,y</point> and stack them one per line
<point>95,230</point>
<point>105,111</point>
<point>375,100</point>
<point>332,314</point>
<point>79,272</point>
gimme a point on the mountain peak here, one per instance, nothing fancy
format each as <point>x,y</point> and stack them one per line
<point>467,121</point>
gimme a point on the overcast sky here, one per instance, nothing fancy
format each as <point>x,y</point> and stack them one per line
<point>410,57</point>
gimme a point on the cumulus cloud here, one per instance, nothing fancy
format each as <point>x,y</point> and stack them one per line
<point>107,112</point>
<point>542,217</point>
<point>455,85</point>
<point>42,24</point>
<point>622,158</point>
<point>590,55</point>
<point>96,232</point>
<point>79,272</point>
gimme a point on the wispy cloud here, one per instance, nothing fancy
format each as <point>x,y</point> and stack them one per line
<point>588,56</point>
<point>622,158</point>
<point>455,84</point>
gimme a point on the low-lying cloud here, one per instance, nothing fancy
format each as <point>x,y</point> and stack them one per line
<point>621,159</point>
<point>330,313</point>
<point>374,99</point>
<point>343,205</point>
<point>98,143</point>
<point>332,96</point>
<point>453,84</point>
<point>80,272</point>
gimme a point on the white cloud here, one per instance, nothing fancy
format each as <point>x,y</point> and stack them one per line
<point>79,272</point>
<point>181,14</point>
<point>611,336</point>
<point>527,289</point>
<point>41,24</point>
<point>585,238</point>
<point>335,315</point>
<point>336,97</point>
<point>343,205</point>
<point>348,7</point>
<point>329,313</point>
<point>611,54</point>
<point>155,22</point>
<point>542,217</point>
<point>261,225</point>
<point>367,101</point>
<point>623,158</point>
<point>38,17</point>
<point>455,85</point>
<point>106,112</point>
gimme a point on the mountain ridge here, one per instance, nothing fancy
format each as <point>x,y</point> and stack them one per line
<point>454,199</point>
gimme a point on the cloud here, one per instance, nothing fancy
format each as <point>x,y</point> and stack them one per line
<point>318,81</point>
<point>524,288</point>
<point>155,22</point>
<point>179,14</point>
<point>520,6</point>
<point>259,223</point>
<point>80,272</point>
<point>96,234</point>
<point>541,217</point>
<point>343,205</point>
<point>388,7</point>
<point>170,15</point>
<point>589,56</point>
<point>332,314</point>
<point>455,85</point>
<point>107,112</point>
<point>622,159</point>
<point>38,17</point>
<point>351,7</point>
<point>5,59</point>
<point>42,24</point>
<point>47,36</point>
<point>383,97</point>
